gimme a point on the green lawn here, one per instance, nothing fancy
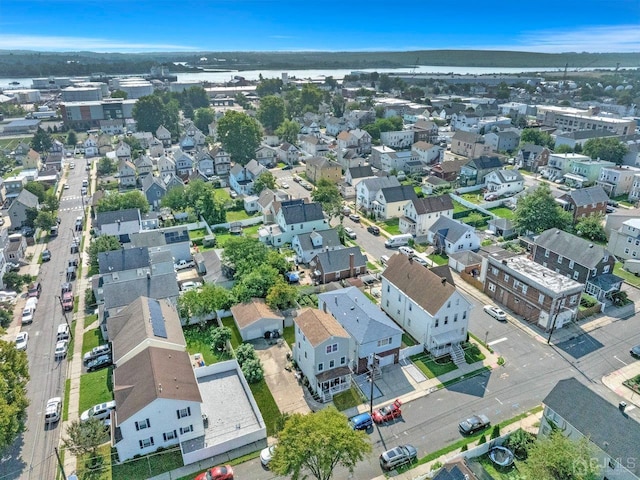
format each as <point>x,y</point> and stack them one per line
<point>497,472</point>
<point>472,353</point>
<point>473,197</point>
<point>148,466</point>
<point>432,368</point>
<point>198,341</point>
<point>11,143</point>
<point>199,233</point>
<point>95,387</point>
<point>89,319</point>
<point>391,226</point>
<point>102,471</point>
<point>65,404</point>
<point>407,340</point>
<point>348,399</point>
<point>439,259</point>
<point>289,335</point>
<point>236,338</point>
<point>503,212</point>
<point>629,277</point>
<point>266,404</point>
<point>458,207</point>
<point>91,339</point>
<point>237,215</point>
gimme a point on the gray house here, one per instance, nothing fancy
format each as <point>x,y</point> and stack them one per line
<point>120,223</point>
<point>18,209</point>
<point>308,245</point>
<point>154,189</point>
<point>334,265</point>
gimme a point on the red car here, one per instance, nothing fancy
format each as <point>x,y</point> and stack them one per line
<point>67,301</point>
<point>388,413</point>
<point>221,472</point>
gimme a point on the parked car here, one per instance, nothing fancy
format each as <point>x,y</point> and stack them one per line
<point>362,421</point>
<point>96,352</point>
<point>221,472</point>
<point>420,260</point>
<point>267,454</point>
<point>190,285</point>
<point>67,301</point>
<point>373,230</point>
<point>99,362</point>
<point>46,255</point>
<point>183,264</point>
<point>66,287</point>
<point>388,413</point>
<point>350,233</point>
<point>355,217</point>
<point>233,194</point>
<point>496,313</point>
<point>284,185</point>
<point>635,351</point>
<point>473,424</point>
<point>100,411</point>
<point>398,456</point>
<point>21,341</point>
<point>61,349</point>
<point>52,410</point>
<point>408,251</point>
<point>8,296</point>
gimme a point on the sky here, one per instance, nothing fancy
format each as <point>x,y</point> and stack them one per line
<point>322,25</point>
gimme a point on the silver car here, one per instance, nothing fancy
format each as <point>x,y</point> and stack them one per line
<point>100,411</point>
<point>398,456</point>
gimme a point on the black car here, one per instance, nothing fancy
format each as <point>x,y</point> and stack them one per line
<point>99,362</point>
<point>373,229</point>
<point>635,351</point>
<point>473,424</point>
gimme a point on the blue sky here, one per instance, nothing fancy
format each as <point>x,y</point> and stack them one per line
<point>285,25</point>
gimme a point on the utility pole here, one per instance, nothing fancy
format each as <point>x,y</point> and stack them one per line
<point>555,319</point>
<point>372,369</point>
<point>64,475</point>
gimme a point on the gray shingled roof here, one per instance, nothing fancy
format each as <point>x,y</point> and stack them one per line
<point>601,422</point>
<point>485,162</point>
<point>507,176</point>
<point>338,260</point>
<point>466,137</point>
<point>361,171</point>
<point>329,239</point>
<point>107,218</point>
<point>451,229</point>
<point>399,193</point>
<point>123,259</point>
<point>589,195</point>
<point>432,204</point>
<point>362,319</point>
<point>119,294</point>
<point>26,198</point>
<point>581,251</point>
<point>299,212</point>
<point>586,134</point>
<point>378,183</point>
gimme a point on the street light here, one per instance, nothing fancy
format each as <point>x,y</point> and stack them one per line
<point>372,368</point>
<point>64,313</point>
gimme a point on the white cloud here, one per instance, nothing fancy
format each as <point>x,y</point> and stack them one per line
<point>54,43</point>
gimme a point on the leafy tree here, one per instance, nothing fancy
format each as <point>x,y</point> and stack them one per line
<point>200,303</point>
<point>317,443</point>
<point>609,149</point>
<point>201,197</point>
<point>119,94</point>
<point>288,131</point>
<point>41,141</point>
<point>149,113</point>
<point>560,457</point>
<point>72,138</point>
<point>328,195</point>
<point>338,104</point>
<point>244,254</point>
<point>495,432</point>
<point>271,112</point>
<point>15,281</point>
<point>282,296</point>
<point>122,201</point>
<point>538,211</point>
<point>269,86</point>
<point>188,111</point>
<point>244,352</point>
<point>134,144</point>
<point>240,135</point>
<point>256,284</point>
<point>591,227</point>
<point>537,137</point>
<point>103,243</point>
<point>263,181</point>
<point>242,100</point>
<point>106,166</point>
<point>385,84</point>
<point>197,97</point>
<point>6,317</point>
<point>84,438</point>
<point>519,443</point>
<point>219,338</point>
<point>14,375</point>
<point>45,220</point>
<point>252,370</point>
<point>390,124</point>
<point>564,148</point>
<point>30,217</point>
<point>310,98</point>
<point>37,188</point>
<point>204,117</point>
<point>175,199</point>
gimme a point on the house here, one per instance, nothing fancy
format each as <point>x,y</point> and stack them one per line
<point>389,202</point>
<point>90,146</point>
<point>123,259</point>
<point>126,174</point>
<point>266,203</point>
<point>174,240</point>
<point>104,144</point>
<point>123,151</point>
<point>427,153</point>
<point>308,245</point>
<point>17,211</point>
<point>502,141</point>
<point>154,190</point>
<point>578,413</point>
<point>293,217</point>
<point>187,143</point>
<point>204,163</point>
<point>144,165</point>
<point>580,137</point>
<point>624,241</point>
<point>503,183</point>
<point>221,160</point>
<point>406,161</point>
<point>618,180</point>
<point>21,151</point>
<point>120,223</point>
<point>54,155</point>
<point>164,136</point>
<point>579,259</point>
<point>476,169</point>
<point>32,160</point>
<point>367,190</point>
<point>321,168</point>
<point>255,318</point>
<point>586,172</point>
<point>584,202</point>
<point>171,180</point>
<point>287,153</point>
<point>166,165</point>
<point>469,145</point>
<point>352,177</point>
<point>158,402</point>
<point>371,331</point>
<point>502,227</point>
<point>357,140</point>
<point>450,236</point>
<point>532,157</point>
<point>14,249</point>
<point>266,156</point>
<point>433,185</point>
<point>349,158</point>
<point>156,148</point>
<point>184,163</point>
<point>540,295</point>
<point>332,265</point>
<point>335,126</point>
<point>448,170</point>
<point>241,178</point>
<point>400,140</point>
<point>145,322</point>
<point>560,164</point>
<point>314,146</point>
<point>321,352</point>
<point>426,304</point>
<point>420,214</point>
<point>425,131</point>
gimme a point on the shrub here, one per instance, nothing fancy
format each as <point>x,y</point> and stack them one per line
<point>482,440</point>
<point>495,433</point>
<point>501,361</point>
<point>436,465</point>
<point>245,352</point>
<point>252,370</point>
<point>587,301</point>
<point>464,448</point>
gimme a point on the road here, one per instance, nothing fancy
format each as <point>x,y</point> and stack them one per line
<point>32,455</point>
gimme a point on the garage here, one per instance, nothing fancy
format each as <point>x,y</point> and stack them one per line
<point>255,318</point>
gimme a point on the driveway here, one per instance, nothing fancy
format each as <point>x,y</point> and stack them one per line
<point>286,390</point>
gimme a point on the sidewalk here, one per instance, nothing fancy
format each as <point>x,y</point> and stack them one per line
<point>614,380</point>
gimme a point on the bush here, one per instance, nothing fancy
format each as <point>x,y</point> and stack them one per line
<point>252,370</point>
<point>89,299</point>
<point>587,301</point>
<point>6,316</point>
<point>495,433</point>
<point>482,440</point>
<point>464,448</point>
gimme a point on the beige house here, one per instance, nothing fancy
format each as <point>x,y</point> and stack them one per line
<point>255,318</point>
<point>319,168</point>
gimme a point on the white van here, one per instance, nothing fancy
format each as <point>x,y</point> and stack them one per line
<point>384,259</point>
<point>408,251</point>
<point>396,241</point>
<point>29,310</point>
<point>63,332</point>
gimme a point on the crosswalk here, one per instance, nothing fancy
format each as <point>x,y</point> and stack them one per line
<point>71,197</point>
<point>71,209</point>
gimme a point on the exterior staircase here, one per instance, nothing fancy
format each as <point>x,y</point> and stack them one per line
<point>457,355</point>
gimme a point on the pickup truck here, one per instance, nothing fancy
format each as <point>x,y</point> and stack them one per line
<point>183,264</point>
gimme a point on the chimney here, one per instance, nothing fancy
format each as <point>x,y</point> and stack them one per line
<point>443,280</point>
<point>324,306</point>
<point>351,264</point>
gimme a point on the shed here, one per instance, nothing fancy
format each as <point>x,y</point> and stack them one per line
<point>255,318</point>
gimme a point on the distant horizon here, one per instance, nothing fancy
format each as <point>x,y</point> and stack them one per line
<point>192,26</point>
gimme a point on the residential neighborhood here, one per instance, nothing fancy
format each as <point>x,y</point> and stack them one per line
<point>451,263</point>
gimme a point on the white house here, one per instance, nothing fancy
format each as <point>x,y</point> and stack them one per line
<point>505,141</point>
<point>221,160</point>
<point>367,190</point>
<point>504,183</point>
<point>390,201</point>
<point>241,178</point>
<point>421,213</point>
<point>126,174</point>
<point>427,153</point>
<point>452,236</point>
<point>617,180</point>
<point>293,217</point>
<point>314,146</point>
<point>90,146</point>
<point>288,153</point>
<point>123,151</point>
<point>266,156</point>
<point>308,245</point>
<point>166,165</point>
<point>156,148</point>
<point>426,304</point>
<point>400,139</point>
<point>321,352</point>
<point>204,163</point>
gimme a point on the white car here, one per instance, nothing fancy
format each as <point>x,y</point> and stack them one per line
<point>53,410</point>
<point>267,454</point>
<point>350,233</point>
<point>100,411</point>
<point>66,186</point>
<point>496,313</point>
<point>61,349</point>
<point>186,286</point>
<point>21,341</point>
<point>284,185</point>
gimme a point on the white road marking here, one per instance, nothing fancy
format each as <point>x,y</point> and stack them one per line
<point>498,400</point>
<point>497,341</point>
<point>621,361</point>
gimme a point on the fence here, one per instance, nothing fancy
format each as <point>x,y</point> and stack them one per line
<point>474,206</point>
<point>408,352</point>
<point>471,280</point>
<point>247,222</point>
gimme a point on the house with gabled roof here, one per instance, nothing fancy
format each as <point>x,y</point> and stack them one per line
<point>32,160</point>
<point>241,178</point>
<point>531,157</point>
<point>469,144</point>
<point>166,165</point>
<point>171,180</point>
<point>448,170</point>
<point>18,209</point>
<point>427,305</point>
<point>314,146</point>
<point>427,153</point>
<point>104,144</point>
<point>266,156</point>
<point>293,217</point>
<point>221,160</point>
<point>54,155</point>
<point>266,203</point>
<point>184,162</point>
<point>579,259</point>
<point>321,351</point>
<point>502,141</point>
<point>123,151</point>
<point>156,148</point>
<point>372,331</point>
<point>503,183</point>
<point>164,136</point>
<point>321,168</point>
<point>338,264</point>
<point>583,202</point>
<point>120,223</point>
<point>577,412</point>
<point>425,131</point>
<point>352,177</point>
<point>144,165</point>
<point>123,259</point>
<point>367,190</point>
<point>308,245</point>
<point>90,146</point>
<point>154,190</point>
<point>475,170</point>
<point>389,202</point>
<point>617,180</point>
<point>255,318</point>
<point>452,236</point>
<point>187,143</point>
<point>204,163</point>
<point>288,153</point>
<point>420,214</point>
<point>127,176</point>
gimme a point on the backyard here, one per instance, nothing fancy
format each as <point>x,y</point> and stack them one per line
<point>391,226</point>
<point>199,341</point>
<point>95,387</point>
<point>149,465</point>
<point>503,212</point>
<point>628,277</point>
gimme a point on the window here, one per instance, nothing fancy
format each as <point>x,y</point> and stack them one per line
<point>506,277</point>
<point>184,430</point>
<point>525,288</point>
<point>576,274</point>
<point>494,270</point>
<point>169,435</point>
<point>305,354</point>
<point>332,348</point>
<point>606,269</point>
<point>455,318</point>
<point>387,303</point>
<point>343,360</point>
<point>541,298</point>
<point>410,307</point>
<point>629,240</point>
<point>626,250</point>
<point>573,299</point>
<point>142,425</point>
<point>320,367</point>
<point>559,258</point>
<point>145,442</point>
<point>464,315</point>
<point>184,412</point>
<point>492,287</point>
<point>449,304</point>
<point>399,298</point>
<point>446,320</point>
<point>571,263</point>
<point>546,253</point>
<point>332,363</point>
<point>437,323</point>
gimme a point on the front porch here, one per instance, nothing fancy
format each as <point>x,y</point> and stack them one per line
<point>332,382</point>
